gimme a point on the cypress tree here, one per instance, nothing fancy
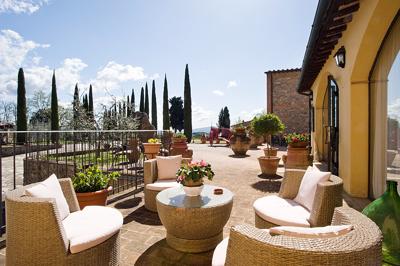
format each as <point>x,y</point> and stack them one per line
<point>227,119</point>
<point>22,122</point>
<point>133,101</point>
<point>128,106</point>
<point>91,109</point>
<point>146,101</point>
<point>141,106</point>
<point>153,105</point>
<point>166,122</point>
<point>187,105</point>
<point>221,118</point>
<point>55,124</point>
<point>85,104</point>
<point>75,105</point>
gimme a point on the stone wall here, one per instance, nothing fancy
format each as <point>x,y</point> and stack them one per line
<point>284,101</point>
<point>38,170</point>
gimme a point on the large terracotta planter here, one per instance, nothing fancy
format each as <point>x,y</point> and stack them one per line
<point>301,144</point>
<point>93,198</point>
<point>179,146</point>
<point>240,144</point>
<point>298,158</point>
<point>268,165</point>
<point>203,140</point>
<point>151,149</point>
<point>271,151</point>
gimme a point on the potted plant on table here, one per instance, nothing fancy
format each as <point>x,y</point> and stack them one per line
<point>191,176</point>
<point>267,125</point>
<point>239,141</point>
<point>92,186</point>
<point>152,147</point>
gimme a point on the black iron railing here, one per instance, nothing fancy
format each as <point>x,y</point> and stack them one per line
<point>31,156</point>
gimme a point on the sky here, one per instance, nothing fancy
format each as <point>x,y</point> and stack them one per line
<point>120,45</point>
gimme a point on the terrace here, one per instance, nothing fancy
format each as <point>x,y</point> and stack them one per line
<point>143,235</point>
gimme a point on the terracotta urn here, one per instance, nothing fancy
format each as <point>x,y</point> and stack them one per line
<point>239,143</point>
<point>271,151</point>
<point>299,158</point>
<point>203,139</point>
<point>255,141</point>
<point>93,198</point>
<point>268,165</point>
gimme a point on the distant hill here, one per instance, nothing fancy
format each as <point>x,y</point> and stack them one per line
<point>202,130</point>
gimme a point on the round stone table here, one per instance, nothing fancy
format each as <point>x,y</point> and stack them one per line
<point>194,224</point>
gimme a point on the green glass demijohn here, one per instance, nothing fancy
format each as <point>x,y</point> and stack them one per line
<point>385,212</point>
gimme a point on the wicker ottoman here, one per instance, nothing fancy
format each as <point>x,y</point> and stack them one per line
<point>194,224</point>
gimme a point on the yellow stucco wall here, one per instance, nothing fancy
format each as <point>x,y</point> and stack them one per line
<point>362,40</point>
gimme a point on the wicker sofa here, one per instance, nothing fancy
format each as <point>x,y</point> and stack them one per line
<point>150,178</point>
<point>36,235</point>
<point>328,196</point>
<point>248,245</point>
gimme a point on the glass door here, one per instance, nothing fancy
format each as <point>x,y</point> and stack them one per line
<point>333,126</point>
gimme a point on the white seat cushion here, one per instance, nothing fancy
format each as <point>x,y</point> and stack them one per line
<point>50,188</point>
<point>308,186</point>
<point>281,211</point>
<point>91,226</point>
<point>168,166</point>
<point>160,185</point>
<point>219,255</point>
<point>315,232</point>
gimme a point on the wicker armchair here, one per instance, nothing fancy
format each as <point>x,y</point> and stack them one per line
<point>150,176</point>
<point>248,245</point>
<point>35,234</point>
<point>328,196</point>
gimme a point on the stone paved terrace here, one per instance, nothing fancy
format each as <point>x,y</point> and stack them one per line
<point>143,235</point>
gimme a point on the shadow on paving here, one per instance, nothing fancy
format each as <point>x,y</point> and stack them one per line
<point>271,186</point>
<point>128,203</point>
<point>162,254</point>
<point>143,216</point>
<point>238,156</point>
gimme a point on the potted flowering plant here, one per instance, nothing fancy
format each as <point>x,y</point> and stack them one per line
<point>92,185</point>
<point>239,141</point>
<point>152,147</point>
<point>179,144</point>
<point>191,176</point>
<point>295,140</point>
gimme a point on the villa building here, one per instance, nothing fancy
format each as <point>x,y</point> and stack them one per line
<point>351,73</point>
<point>283,100</point>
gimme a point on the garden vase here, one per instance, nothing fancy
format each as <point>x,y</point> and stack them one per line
<point>298,158</point>
<point>255,141</point>
<point>300,144</point>
<point>385,212</point>
<point>151,149</point>
<point>240,144</point>
<point>93,198</point>
<point>268,165</point>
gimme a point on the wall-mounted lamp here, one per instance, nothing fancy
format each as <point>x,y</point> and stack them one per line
<point>340,57</point>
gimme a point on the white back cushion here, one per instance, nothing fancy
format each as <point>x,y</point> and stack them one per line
<point>308,186</point>
<point>168,166</point>
<point>314,232</point>
<point>50,188</point>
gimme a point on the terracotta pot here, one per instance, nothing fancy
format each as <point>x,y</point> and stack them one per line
<point>240,131</point>
<point>240,144</point>
<point>151,148</point>
<point>255,141</point>
<point>301,144</point>
<point>271,151</point>
<point>298,158</point>
<point>178,140</point>
<point>268,165</point>
<point>93,198</point>
<point>203,140</point>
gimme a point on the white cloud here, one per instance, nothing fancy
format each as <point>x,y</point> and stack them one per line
<point>231,84</point>
<point>154,76</point>
<point>202,117</point>
<point>248,115</point>
<point>21,6</point>
<point>218,92</point>
<point>394,109</point>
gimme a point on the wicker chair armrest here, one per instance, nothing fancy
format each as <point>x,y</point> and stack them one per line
<point>69,194</point>
<point>328,196</point>
<point>291,183</point>
<point>150,171</point>
<point>39,217</point>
